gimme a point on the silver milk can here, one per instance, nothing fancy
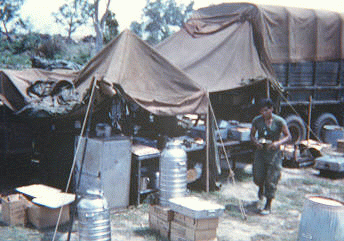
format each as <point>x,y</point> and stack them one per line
<point>94,218</point>
<point>173,172</point>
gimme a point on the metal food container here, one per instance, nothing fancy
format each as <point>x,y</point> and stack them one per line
<point>173,173</point>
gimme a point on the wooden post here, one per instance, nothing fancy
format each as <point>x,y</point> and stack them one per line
<point>309,117</point>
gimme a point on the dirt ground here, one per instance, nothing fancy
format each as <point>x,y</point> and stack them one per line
<point>235,225</point>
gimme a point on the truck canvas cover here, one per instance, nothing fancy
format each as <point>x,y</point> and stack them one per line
<point>230,45</point>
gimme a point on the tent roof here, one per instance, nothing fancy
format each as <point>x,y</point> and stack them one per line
<point>223,46</point>
<point>145,76</point>
<point>14,85</point>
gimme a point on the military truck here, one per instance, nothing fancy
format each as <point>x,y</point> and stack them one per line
<point>227,46</point>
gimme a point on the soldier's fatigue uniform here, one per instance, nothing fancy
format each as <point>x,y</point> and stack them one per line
<point>267,163</point>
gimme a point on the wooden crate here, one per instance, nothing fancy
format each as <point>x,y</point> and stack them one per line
<point>14,209</point>
<point>164,213</point>
<point>160,220</point>
<point>179,232</point>
<point>162,227</point>
<point>203,223</point>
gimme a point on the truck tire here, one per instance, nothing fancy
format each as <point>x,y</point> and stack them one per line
<point>296,127</point>
<point>321,121</point>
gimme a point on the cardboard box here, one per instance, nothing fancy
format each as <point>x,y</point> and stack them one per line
<point>181,232</point>
<point>44,217</point>
<point>200,224</point>
<point>14,209</point>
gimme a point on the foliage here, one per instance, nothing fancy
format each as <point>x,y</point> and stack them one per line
<point>111,27</point>
<point>51,48</point>
<point>26,42</point>
<point>9,11</point>
<point>14,61</point>
<point>160,19</point>
<point>82,56</point>
<point>73,15</point>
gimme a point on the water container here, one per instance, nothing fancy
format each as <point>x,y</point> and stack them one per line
<point>94,218</point>
<point>333,133</point>
<point>173,170</point>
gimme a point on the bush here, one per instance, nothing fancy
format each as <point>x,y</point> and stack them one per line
<point>51,48</point>
<point>23,43</point>
<point>83,56</point>
<point>11,61</point>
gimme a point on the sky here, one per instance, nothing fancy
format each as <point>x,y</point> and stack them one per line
<point>127,11</point>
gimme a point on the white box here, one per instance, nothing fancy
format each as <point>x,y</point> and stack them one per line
<point>195,207</point>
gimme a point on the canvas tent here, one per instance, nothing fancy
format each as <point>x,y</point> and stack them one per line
<point>38,90</point>
<point>145,76</point>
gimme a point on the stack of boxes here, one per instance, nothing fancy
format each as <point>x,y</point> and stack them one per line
<point>186,219</point>
<point>160,219</point>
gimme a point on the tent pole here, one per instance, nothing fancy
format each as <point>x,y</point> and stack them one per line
<point>309,118</point>
<point>207,152</point>
<point>267,88</point>
<point>87,115</point>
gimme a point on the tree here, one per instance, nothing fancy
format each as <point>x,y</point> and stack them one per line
<point>160,19</point>
<point>8,12</point>
<point>111,27</point>
<point>99,22</point>
<point>73,15</point>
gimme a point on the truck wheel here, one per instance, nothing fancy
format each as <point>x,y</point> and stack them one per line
<point>296,127</point>
<point>321,121</point>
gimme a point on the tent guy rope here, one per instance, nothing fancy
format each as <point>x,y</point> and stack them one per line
<point>94,84</point>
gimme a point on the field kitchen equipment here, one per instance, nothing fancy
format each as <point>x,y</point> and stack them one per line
<point>94,217</point>
<point>105,164</point>
<point>330,163</point>
<point>173,172</point>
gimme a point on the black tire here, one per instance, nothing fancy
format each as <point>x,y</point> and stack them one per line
<point>296,127</point>
<point>321,121</point>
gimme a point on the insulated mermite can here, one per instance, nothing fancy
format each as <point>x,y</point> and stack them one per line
<point>94,218</point>
<point>173,172</point>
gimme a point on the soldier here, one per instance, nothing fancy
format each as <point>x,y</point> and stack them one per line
<point>272,133</point>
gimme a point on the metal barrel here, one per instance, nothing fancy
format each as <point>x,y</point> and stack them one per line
<point>322,219</point>
<point>94,219</point>
<point>333,133</point>
<point>173,173</point>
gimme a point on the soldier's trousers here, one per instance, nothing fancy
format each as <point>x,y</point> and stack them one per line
<point>267,168</point>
